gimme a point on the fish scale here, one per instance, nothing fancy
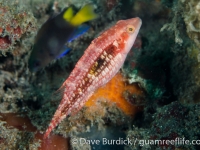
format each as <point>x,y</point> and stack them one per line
<point>100,62</point>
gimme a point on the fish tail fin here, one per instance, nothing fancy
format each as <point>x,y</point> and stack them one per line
<point>54,122</point>
<point>58,116</point>
<point>68,14</point>
<point>48,131</point>
<point>84,15</point>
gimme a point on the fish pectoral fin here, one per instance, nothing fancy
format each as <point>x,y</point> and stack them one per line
<point>58,95</point>
<point>68,14</point>
<point>85,14</point>
<point>79,31</point>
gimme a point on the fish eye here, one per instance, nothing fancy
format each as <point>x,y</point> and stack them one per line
<point>130,28</point>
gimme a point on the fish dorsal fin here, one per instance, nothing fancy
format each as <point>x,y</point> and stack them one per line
<point>68,14</point>
<point>85,14</point>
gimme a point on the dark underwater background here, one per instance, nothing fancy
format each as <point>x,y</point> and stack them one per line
<point>152,103</point>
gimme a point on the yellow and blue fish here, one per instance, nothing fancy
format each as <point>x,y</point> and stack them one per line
<point>56,32</point>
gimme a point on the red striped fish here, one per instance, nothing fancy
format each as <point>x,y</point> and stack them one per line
<point>100,62</point>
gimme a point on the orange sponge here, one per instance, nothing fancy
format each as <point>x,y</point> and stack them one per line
<point>114,91</point>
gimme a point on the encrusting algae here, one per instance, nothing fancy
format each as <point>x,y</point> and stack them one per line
<point>15,24</point>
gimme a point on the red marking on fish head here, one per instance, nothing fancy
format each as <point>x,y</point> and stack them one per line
<point>122,40</point>
<point>128,31</point>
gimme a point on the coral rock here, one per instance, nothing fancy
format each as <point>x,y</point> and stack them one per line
<point>14,22</point>
<point>192,19</point>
